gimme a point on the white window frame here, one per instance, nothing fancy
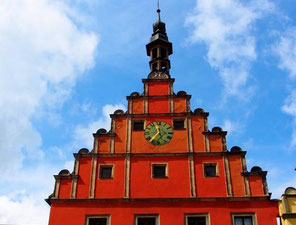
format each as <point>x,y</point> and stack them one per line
<point>147,216</point>
<point>105,166</point>
<point>206,215</point>
<point>139,120</point>
<point>108,217</point>
<point>210,164</point>
<point>253,215</point>
<point>180,119</point>
<point>166,165</point>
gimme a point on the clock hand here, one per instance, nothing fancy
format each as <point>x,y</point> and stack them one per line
<point>157,128</point>
<point>155,135</point>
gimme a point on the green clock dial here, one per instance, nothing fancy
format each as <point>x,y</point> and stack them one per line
<point>158,133</point>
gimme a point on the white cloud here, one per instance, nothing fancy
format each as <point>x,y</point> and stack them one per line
<point>83,134</point>
<point>25,210</point>
<point>23,194</point>
<point>286,50</point>
<point>225,26</point>
<point>290,108</point>
<point>279,189</point>
<point>42,52</point>
<point>232,127</point>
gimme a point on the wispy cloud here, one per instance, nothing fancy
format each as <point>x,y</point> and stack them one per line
<point>226,27</point>
<point>42,53</point>
<point>232,127</point>
<point>83,134</point>
<point>286,50</point>
<point>289,107</point>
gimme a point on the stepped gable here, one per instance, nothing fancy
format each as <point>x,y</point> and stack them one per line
<point>160,159</point>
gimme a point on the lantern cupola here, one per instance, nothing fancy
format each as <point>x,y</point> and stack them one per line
<point>159,48</point>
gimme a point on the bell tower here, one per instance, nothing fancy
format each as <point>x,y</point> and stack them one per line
<point>159,48</point>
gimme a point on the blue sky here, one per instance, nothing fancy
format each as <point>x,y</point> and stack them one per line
<point>65,65</point>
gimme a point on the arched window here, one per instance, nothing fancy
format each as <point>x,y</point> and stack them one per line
<point>163,53</point>
<point>154,53</point>
<point>163,66</point>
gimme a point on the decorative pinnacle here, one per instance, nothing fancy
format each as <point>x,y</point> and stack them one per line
<point>158,10</point>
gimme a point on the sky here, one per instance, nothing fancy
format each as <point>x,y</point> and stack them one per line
<point>65,65</point>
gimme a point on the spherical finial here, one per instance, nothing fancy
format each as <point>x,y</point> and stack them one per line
<point>158,10</point>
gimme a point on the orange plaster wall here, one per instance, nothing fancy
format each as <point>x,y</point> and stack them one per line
<point>65,188</point>
<point>104,144</point>
<point>198,138</point>
<point>210,186</point>
<point>179,142</point>
<point>84,177</point>
<point>158,88</point>
<point>170,213</point>
<point>237,181</point>
<point>256,185</point>
<point>144,186</point>
<point>138,105</point>
<point>215,143</point>
<point>111,188</point>
<point>179,105</point>
<point>120,139</point>
<point>158,105</point>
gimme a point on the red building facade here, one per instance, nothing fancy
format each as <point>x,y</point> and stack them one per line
<point>160,165</point>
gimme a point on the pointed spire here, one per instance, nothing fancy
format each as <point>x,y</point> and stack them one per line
<point>159,48</point>
<point>158,10</point>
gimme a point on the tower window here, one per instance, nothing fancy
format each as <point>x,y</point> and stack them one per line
<point>154,66</point>
<point>147,220</point>
<point>179,124</point>
<point>138,125</point>
<point>244,219</point>
<point>159,171</point>
<point>97,220</point>
<point>154,53</point>
<point>106,171</point>
<point>163,66</point>
<point>210,170</point>
<point>163,53</point>
<point>198,219</point>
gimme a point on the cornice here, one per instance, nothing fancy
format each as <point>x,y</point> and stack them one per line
<point>145,200</point>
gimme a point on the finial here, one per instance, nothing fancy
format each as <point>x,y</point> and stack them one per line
<point>158,10</point>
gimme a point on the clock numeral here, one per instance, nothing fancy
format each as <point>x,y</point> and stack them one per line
<point>157,142</point>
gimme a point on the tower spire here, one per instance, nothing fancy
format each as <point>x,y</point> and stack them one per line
<point>159,48</point>
<point>158,10</point>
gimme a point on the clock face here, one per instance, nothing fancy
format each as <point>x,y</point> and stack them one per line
<point>158,133</point>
